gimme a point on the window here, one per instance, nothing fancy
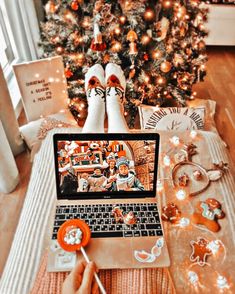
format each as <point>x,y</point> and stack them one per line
<point>8,54</point>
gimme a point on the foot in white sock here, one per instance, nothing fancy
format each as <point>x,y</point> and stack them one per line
<point>95,91</point>
<point>115,94</point>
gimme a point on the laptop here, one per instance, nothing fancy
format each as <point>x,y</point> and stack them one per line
<point>97,177</point>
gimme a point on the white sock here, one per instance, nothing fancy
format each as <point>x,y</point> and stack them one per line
<point>115,95</point>
<point>96,100</point>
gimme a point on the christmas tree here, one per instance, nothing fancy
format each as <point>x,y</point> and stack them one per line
<point>159,45</point>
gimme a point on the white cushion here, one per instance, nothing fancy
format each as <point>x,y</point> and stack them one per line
<point>38,129</point>
<point>171,118</point>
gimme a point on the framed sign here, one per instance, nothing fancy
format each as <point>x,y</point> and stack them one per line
<point>43,86</point>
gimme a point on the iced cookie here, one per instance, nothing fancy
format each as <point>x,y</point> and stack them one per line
<point>207,213</point>
<point>171,213</point>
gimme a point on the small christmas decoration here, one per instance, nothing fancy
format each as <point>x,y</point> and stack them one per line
<point>132,37</point>
<point>74,5</point>
<point>97,43</point>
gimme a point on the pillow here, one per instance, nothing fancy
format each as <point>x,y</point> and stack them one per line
<point>42,86</point>
<point>38,129</point>
<point>210,106</point>
<point>171,118</point>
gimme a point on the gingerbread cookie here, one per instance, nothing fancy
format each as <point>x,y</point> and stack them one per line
<point>171,213</point>
<point>183,180</point>
<point>200,251</point>
<point>208,212</point>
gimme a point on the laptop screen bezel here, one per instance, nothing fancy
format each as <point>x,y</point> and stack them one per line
<point>107,137</point>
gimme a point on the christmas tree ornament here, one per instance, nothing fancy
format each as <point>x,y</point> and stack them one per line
<point>74,5</point>
<point>97,43</point>
<point>86,24</point>
<point>132,37</point>
<point>106,58</point>
<point>145,57</point>
<point>165,66</point>
<point>55,40</point>
<point>70,17</point>
<point>80,59</point>
<point>98,6</point>
<point>178,59</point>
<point>162,28</point>
<point>180,11</point>
<point>50,7</point>
<point>132,73</point>
<point>68,73</point>
<point>60,50</point>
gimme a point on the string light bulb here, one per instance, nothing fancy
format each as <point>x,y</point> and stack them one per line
<point>222,282</point>
<point>193,278</point>
<point>167,160</point>
<point>180,194</point>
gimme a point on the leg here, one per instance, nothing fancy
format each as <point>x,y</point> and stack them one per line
<point>95,90</point>
<point>115,94</point>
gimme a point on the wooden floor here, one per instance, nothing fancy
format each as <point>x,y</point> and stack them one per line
<point>218,85</point>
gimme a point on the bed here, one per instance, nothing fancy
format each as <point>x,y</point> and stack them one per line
<point>25,270</point>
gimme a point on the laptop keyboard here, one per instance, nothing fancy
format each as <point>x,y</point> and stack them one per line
<point>102,223</point>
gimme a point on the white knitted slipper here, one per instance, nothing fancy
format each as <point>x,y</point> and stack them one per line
<point>115,70</point>
<point>96,71</point>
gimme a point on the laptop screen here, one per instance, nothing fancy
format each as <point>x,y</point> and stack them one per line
<point>101,166</point>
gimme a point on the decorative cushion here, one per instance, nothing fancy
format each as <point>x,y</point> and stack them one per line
<point>172,118</point>
<point>38,129</point>
<point>210,106</point>
<point>42,86</point>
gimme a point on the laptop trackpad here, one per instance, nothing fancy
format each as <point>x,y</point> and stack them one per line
<point>119,252</point>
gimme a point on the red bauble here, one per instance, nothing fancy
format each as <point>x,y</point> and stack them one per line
<point>68,73</point>
<point>146,57</point>
<point>74,5</point>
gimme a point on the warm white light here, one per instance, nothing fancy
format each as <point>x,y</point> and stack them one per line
<point>184,222</point>
<point>51,80</point>
<point>181,194</point>
<point>117,31</point>
<point>214,246</point>
<point>159,186</point>
<point>193,134</point>
<point>167,160</point>
<point>193,278</point>
<point>37,75</point>
<point>222,282</point>
<point>175,140</point>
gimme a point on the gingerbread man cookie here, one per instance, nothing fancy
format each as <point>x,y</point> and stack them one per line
<point>200,251</point>
<point>171,213</point>
<point>208,212</point>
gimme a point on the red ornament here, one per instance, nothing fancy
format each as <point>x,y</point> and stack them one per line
<point>97,46</point>
<point>146,57</point>
<point>74,5</point>
<point>68,73</point>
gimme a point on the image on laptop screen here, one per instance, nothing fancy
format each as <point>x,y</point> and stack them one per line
<point>109,167</point>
